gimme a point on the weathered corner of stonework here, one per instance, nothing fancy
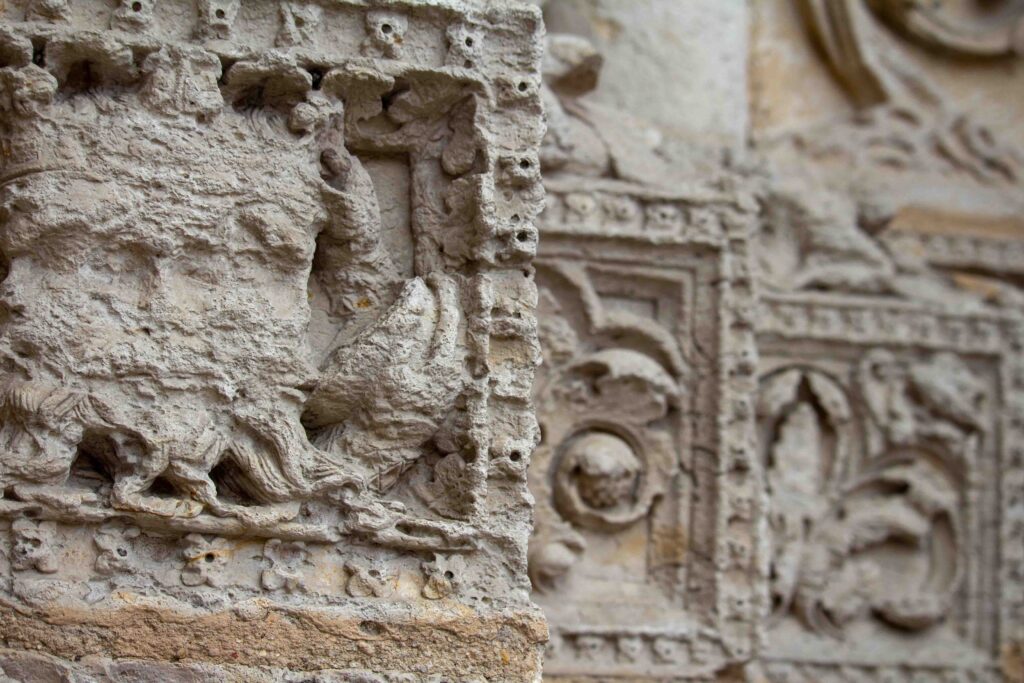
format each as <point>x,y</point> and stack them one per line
<point>268,338</point>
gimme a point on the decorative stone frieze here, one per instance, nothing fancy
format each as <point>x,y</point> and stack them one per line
<point>887,432</point>
<point>648,552</point>
<point>778,406</point>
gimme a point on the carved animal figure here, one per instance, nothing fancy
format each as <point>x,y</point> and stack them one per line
<point>160,245</point>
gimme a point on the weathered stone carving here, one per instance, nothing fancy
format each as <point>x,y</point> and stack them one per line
<point>33,544</point>
<point>287,562</point>
<point>267,339</point>
<point>907,122</point>
<point>889,336</point>
<point>997,32</point>
<point>116,552</point>
<point>881,464</point>
<point>884,259</point>
<point>845,33</point>
<point>268,303</point>
<point>829,512</point>
<point>858,205</point>
<point>628,398</point>
<point>205,560</point>
<point>645,553</point>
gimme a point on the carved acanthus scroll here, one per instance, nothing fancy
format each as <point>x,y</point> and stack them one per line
<point>905,121</point>
<point>997,30</point>
<point>865,482</point>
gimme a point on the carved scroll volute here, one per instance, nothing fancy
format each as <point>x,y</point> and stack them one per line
<point>845,33</point>
<point>906,120</point>
<point>997,32</point>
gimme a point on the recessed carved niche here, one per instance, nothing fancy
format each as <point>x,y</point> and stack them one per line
<point>645,553</point>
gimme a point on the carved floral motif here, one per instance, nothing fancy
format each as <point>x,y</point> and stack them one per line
<point>920,132</point>
<point>366,580</point>
<point>465,45</point>
<point>627,422</point>
<point>880,468</point>
<point>443,574</point>
<point>116,553</point>
<point>33,545</point>
<point>287,560</point>
<point>834,511</point>
<point>216,18</point>
<point>205,560</point>
<point>385,34</point>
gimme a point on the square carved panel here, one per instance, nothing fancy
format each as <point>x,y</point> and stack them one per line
<point>889,433</point>
<point>271,338</point>
<point>646,555</point>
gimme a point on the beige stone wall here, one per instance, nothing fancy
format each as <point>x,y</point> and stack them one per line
<point>780,314</point>
<point>401,342</point>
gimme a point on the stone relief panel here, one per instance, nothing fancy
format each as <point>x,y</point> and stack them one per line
<point>870,202</point>
<point>886,430</point>
<point>647,553</point>
<point>268,335</point>
<point>905,122</point>
<point>890,384</point>
<point>882,249</point>
<point>849,36</point>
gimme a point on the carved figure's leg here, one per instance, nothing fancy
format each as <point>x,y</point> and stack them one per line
<point>190,467</point>
<point>270,445</point>
<point>138,469</point>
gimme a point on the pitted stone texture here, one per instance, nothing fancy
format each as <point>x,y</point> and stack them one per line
<point>21,667</point>
<point>282,643</point>
<point>268,325</point>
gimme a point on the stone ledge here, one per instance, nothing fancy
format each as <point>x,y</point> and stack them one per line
<point>451,641</point>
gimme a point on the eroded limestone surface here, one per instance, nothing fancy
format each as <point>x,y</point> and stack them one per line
<point>267,338</point>
<point>267,341</point>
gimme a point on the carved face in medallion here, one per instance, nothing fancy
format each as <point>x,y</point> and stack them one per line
<point>605,469</point>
